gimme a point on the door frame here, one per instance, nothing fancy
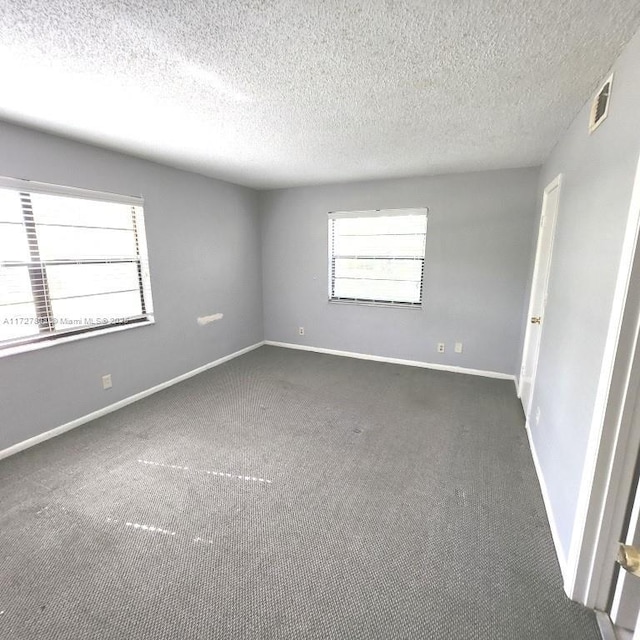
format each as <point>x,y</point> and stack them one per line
<point>556,183</point>
<point>626,587</point>
<point>612,448</point>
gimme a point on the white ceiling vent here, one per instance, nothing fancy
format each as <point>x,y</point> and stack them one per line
<point>600,105</point>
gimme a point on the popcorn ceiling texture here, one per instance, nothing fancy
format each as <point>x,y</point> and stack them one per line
<point>288,92</point>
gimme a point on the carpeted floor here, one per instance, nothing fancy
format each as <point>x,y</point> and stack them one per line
<point>287,495</point>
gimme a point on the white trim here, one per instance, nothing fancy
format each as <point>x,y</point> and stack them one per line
<point>623,608</point>
<point>25,444</point>
<point>389,305</point>
<point>555,533</point>
<point>409,363</point>
<point>64,338</point>
<point>31,186</point>
<point>605,626</point>
<point>371,213</point>
<point>606,478</point>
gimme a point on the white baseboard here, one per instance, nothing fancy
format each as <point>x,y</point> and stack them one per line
<point>410,363</point>
<point>25,444</point>
<point>555,534</point>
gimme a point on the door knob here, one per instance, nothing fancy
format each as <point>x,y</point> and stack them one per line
<point>629,558</point>
<point>536,320</point>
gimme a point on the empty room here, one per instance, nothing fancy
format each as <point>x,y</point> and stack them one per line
<point>319,320</point>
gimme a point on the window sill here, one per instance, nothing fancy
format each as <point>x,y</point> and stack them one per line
<point>364,303</point>
<point>45,344</point>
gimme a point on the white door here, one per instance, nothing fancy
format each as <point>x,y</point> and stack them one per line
<point>538,300</point>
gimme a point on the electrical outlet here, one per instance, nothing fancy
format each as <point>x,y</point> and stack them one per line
<point>458,347</point>
<point>537,415</point>
<point>106,381</point>
<point>300,331</point>
<point>440,347</point>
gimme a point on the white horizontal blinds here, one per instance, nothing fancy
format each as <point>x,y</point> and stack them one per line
<point>378,257</point>
<point>89,249</point>
<point>69,263</point>
<point>18,316</point>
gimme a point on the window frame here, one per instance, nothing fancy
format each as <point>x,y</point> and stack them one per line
<point>47,335</point>
<point>374,213</point>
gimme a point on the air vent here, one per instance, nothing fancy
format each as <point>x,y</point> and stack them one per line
<point>600,106</point>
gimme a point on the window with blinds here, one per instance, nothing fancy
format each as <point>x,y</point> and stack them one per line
<point>71,261</point>
<point>377,257</point>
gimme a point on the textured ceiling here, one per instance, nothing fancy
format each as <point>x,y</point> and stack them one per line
<point>286,92</point>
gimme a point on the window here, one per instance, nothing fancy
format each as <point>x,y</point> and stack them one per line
<point>71,261</point>
<point>377,257</point>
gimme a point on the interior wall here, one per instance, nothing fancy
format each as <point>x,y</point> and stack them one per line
<point>597,179</point>
<point>204,252</point>
<point>477,263</point>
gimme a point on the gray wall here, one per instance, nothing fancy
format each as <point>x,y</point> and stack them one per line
<point>598,173</point>
<point>204,252</point>
<point>477,264</point>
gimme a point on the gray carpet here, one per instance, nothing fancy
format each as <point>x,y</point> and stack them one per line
<point>287,495</point>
